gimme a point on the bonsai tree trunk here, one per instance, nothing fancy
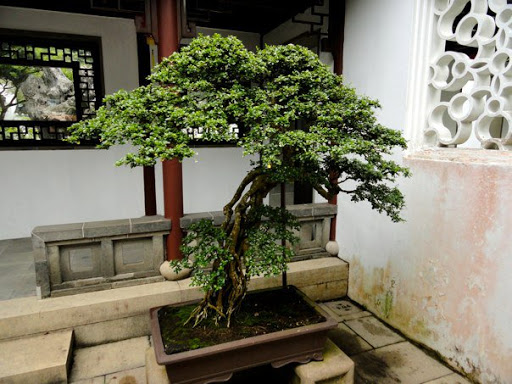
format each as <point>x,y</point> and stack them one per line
<point>221,304</point>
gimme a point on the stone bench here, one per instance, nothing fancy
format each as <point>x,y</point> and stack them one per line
<point>82,257</point>
<point>314,220</point>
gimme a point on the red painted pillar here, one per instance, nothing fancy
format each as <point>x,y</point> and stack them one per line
<point>168,42</point>
<point>336,35</point>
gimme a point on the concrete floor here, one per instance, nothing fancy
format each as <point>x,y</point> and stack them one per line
<point>17,274</point>
<point>382,356</point>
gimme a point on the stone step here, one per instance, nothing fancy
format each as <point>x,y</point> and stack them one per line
<point>111,360</point>
<point>122,313</point>
<point>37,359</point>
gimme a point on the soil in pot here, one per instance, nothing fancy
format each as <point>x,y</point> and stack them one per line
<point>261,313</point>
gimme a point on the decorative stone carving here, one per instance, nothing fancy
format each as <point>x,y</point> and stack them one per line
<point>471,78</point>
<point>80,257</point>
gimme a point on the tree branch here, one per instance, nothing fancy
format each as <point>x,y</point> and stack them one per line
<point>228,208</point>
<point>323,192</point>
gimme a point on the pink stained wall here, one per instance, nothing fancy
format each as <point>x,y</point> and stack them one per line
<point>445,277</point>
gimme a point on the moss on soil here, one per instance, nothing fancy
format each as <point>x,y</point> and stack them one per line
<point>261,313</point>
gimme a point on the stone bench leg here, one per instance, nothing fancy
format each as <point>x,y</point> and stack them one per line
<point>336,368</point>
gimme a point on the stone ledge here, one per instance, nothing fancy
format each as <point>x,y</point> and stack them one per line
<point>466,156</point>
<point>27,316</point>
<point>107,228</point>
<point>187,220</point>
<point>299,210</point>
<point>312,210</point>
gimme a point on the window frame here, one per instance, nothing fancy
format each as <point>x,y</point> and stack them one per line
<point>50,134</point>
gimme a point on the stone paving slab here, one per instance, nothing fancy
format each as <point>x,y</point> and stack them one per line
<point>450,379</point>
<point>342,310</point>
<point>109,358</point>
<point>348,341</point>
<point>398,363</point>
<point>374,332</point>
<point>131,376</point>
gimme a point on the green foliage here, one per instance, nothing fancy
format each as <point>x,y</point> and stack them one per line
<point>206,245</point>
<point>267,227</point>
<point>300,119</point>
<point>203,246</point>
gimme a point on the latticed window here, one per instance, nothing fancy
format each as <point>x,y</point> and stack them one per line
<point>471,78</point>
<point>463,53</point>
<point>47,82</point>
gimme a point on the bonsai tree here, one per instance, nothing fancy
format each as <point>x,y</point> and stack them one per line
<point>297,118</point>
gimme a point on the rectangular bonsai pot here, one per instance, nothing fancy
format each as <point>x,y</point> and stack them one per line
<point>218,363</point>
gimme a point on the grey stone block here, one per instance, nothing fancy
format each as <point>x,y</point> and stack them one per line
<point>39,248</point>
<point>133,282</point>
<point>133,255</point>
<point>158,254</point>
<point>124,276</point>
<point>324,209</point>
<point>147,224</point>
<point>80,261</point>
<point>59,232</point>
<point>80,283</point>
<point>97,229</point>
<point>107,259</point>
<point>326,231</point>
<point>42,278</point>
<point>54,261</point>
<point>218,217</point>
<point>301,210</point>
<point>191,218</point>
<point>134,275</point>
<point>74,291</point>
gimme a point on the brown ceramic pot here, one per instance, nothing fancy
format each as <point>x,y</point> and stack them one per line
<point>218,363</point>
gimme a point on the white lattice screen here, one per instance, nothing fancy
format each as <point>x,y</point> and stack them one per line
<point>469,102</point>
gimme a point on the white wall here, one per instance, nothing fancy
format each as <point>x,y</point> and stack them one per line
<point>40,187</point>
<point>211,178</point>
<point>442,277</point>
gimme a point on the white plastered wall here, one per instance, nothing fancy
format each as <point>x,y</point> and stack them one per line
<point>40,187</point>
<point>442,277</point>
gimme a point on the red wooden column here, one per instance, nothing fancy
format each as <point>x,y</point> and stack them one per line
<point>168,42</point>
<point>336,37</point>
